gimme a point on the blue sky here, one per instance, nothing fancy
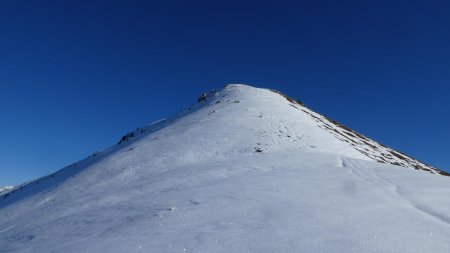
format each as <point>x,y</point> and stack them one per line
<point>76,75</point>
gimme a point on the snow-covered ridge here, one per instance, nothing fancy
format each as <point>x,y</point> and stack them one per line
<point>369,148</point>
<point>265,119</point>
<point>372,149</point>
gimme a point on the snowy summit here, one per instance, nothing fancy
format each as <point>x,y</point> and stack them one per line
<point>243,170</point>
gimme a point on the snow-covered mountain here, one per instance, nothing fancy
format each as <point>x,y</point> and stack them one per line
<point>242,170</point>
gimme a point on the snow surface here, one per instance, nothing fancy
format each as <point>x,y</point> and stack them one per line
<point>244,170</point>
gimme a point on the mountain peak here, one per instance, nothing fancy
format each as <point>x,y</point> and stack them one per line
<point>280,107</point>
<point>266,120</point>
<point>243,169</point>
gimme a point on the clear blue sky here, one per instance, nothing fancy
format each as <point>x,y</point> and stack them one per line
<point>77,75</point>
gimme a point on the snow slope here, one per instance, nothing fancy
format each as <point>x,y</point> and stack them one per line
<point>243,170</point>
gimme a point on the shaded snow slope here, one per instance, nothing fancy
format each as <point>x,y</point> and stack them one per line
<point>243,170</point>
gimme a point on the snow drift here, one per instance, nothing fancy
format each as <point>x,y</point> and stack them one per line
<point>243,170</point>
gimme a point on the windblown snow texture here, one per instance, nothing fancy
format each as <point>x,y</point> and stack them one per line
<point>243,170</point>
